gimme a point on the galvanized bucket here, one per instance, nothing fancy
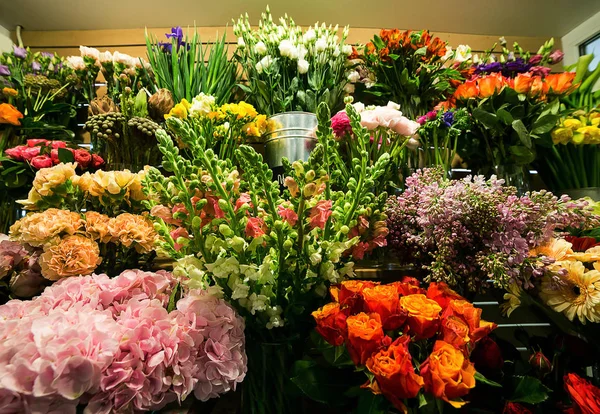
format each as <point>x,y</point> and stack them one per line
<point>293,138</point>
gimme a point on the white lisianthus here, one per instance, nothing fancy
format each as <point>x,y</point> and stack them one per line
<point>448,54</point>
<point>492,58</point>
<point>266,62</point>
<point>287,49</point>
<point>302,66</point>
<point>321,44</point>
<point>353,76</point>
<point>349,88</point>
<point>259,68</point>
<point>76,62</point>
<point>241,42</point>
<point>89,52</point>
<point>310,35</point>
<point>347,50</point>
<point>336,51</point>
<point>202,105</point>
<point>260,48</point>
<point>463,53</point>
<point>476,58</point>
<point>105,57</point>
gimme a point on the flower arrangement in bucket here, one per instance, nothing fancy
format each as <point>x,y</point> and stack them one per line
<point>290,70</point>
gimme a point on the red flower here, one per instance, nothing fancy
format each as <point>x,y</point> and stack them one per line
<point>41,161</point>
<point>581,244</point>
<point>467,90</point>
<point>288,215</point>
<point>586,397</point>
<point>540,363</point>
<point>29,153</point>
<point>58,144</point>
<point>365,335</point>
<point>408,286</point>
<point>331,323</point>
<point>515,408</point>
<point>15,153</point>
<point>212,207</point>
<point>487,355</point>
<point>82,158</point>
<point>177,233</point>
<point>471,316</point>
<point>37,141</point>
<point>351,290</point>
<point>54,156</point>
<point>442,294</point>
<point>242,201</point>
<point>97,161</point>
<point>256,227</point>
<point>320,213</point>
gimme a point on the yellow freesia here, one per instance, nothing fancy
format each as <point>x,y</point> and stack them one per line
<point>572,123</point>
<point>561,135</point>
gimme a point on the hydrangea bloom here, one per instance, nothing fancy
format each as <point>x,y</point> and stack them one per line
<point>111,343</point>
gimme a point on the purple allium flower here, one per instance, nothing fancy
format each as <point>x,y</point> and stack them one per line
<point>448,118</point>
<point>4,71</point>
<point>535,59</point>
<point>556,56</point>
<point>20,52</point>
<point>489,67</point>
<point>36,66</point>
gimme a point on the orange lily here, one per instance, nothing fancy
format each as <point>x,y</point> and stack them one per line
<point>9,114</point>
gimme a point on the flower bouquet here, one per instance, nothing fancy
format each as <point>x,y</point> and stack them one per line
<point>471,231</point>
<point>409,69</point>
<point>291,70</point>
<point>186,68</point>
<point>413,344</point>
<point>271,254</point>
<point>117,346</point>
<point>571,161</point>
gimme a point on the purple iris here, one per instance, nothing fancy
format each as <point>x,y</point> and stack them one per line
<point>20,52</point>
<point>4,71</point>
<point>515,66</point>
<point>176,33</point>
<point>489,67</point>
<point>448,118</point>
<point>36,66</point>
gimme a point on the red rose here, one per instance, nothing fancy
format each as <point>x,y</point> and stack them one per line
<point>37,141</point>
<point>442,294</point>
<point>365,336</point>
<point>540,363</point>
<point>97,161</point>
<point>16,153</point>
<point>41,161</point>
<point>515,408</point>
<point>350,294</point>
<point>58,144</point>
<point>255,227</point>
<point>331,323</point>
<point>30,152</point>
<point>394,372</point>
<point>487,356</point>
<point>82,158</point>
<point>408,286</point>
<point>586,397</point>
<point>54,156</point>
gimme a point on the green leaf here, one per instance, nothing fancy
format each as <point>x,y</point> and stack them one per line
<point>488,119</point>
<point>522,132</point>
<point>378,42</point>
<point>522,155</point>
<point>320,384</point>
<point>544,124</point>
<point>64,155</point>
<point>173,298</point>
<point>504,116</point>
<point>529,390</point>
<point>479,377</point>
<point>369,403</point>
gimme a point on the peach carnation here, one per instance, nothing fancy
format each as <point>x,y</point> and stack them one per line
<point>131,229</point>
<point>72,256</point>
<point>96,226</point>
<point>38,229</point>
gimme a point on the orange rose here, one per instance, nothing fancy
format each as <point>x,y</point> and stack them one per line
<point>423,315</point>
<point>442,294</point>
<point>559,83</point>
<point>10,115</point>
<point>537,87</point>
<point>448,374</point>
<point>351,290</point>
<point>365,334</point>
<point>394,372</point>
<point>470,316</point>
<point>407,286</point>
<point>384,300</point>
<point>334,293</point>
<point>523,82</point>
<point>455,331</point>
<point>331,323</point>
<point>490,85</point>
<point>467,90</point>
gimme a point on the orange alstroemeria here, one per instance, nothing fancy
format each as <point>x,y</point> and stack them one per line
<point>467,90</point>
<point>10,115</point>
<point>490,85</point>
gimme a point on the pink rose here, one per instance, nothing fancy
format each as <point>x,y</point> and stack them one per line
<point>176,234</point>
<point>58,144</point>
<point>288,215</point>
<point>37,141</point>
<point>54,156</point>
<point>30,152</point>
<point>16,153</point>
<point>82,158</point>
<point>388,117</point>
<point>320,213</point>
<point>97,161</point>
<point>41,161</point>
<point>256,227</point>
<point>556,56</point>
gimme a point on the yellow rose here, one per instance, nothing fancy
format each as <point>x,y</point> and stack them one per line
<point>47,179</point>
<point>72,256</point>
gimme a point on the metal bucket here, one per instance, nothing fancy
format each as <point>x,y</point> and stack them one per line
<point>293,138</point>
<point>577,193</point>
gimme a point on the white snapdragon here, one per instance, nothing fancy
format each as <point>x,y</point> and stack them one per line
<point>76,62</point>
<point>224,267</point>
<point>189,271</point>
<point>239,288</point>
<point>315,258</point>
<point>250,271</point>
<point>202,105</point>
<point>321,44</point>
<point>353,76</point>
<point>257,303</point>
<point>462,53</point>
<point>275,319</point>
<point>303,66</point>
<point>260,48</point>
<point>449,53</point>
<point>241,43</point>
<point>347,50</point>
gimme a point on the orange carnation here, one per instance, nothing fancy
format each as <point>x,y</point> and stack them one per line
<point>394,372</point>
<point>490,85</point>
<point>467,90</point>
<point>365,334</point>
<point>442,294</point>
<point>72,256</point>
<point>423,315</point>
<point>448,374</point>
<point>10,115</point>
<point>331,323</point>
<point>470,316</point>
<point>384,300</point>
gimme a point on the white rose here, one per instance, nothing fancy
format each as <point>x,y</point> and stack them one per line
<point>448,54</point>
<point>353,76</point>
<point>393,105</point>
<point>202,104</point>
<point>260,48</point>
<point>321,44</point>
<point>347,50</point>
<point>463,53</point>
<point>302,66</point>
<point>241,42</point>
<point>76,62</point>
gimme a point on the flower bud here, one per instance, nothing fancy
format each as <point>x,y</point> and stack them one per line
<point>310,189</point>
<point>237,243</point>
<point>310,175</point>
<point>287,245</point>
<point>102,105</point>
<point>225,230</point>
<point>540,364</point>
<point>344,230</point>
<point>160,104</point>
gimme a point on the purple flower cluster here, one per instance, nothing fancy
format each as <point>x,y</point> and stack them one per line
<point>510,69</point>
<point>112,344</point>
<point>469,231</point>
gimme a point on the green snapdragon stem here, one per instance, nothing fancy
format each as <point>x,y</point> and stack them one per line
<point>582,166</point>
